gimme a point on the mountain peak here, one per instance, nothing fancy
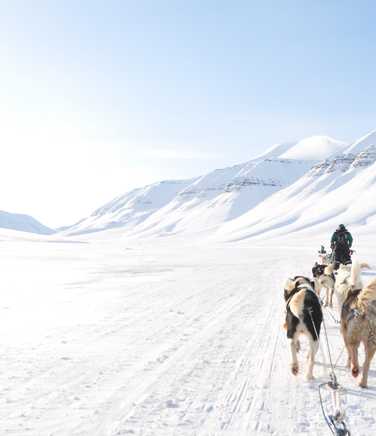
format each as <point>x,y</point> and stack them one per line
<point>315,148</point>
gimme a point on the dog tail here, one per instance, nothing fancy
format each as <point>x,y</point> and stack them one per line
<point>366,297</point>
<point>355,280</point>
<point>364,265</point>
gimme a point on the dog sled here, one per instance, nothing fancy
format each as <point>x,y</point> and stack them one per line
<point>336,256</point>
<point>333,401</point>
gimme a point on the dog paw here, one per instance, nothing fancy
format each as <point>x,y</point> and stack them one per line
<point>355,372</point>
<point>309,377</point>
<point>295,369</point>
<point>363,385</point>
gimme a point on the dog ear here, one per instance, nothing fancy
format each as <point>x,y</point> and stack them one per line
<point>290,284</point>
<point>288,288</point>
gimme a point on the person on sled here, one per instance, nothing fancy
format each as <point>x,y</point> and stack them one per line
<point>341,243</point>
<point>324,257</point>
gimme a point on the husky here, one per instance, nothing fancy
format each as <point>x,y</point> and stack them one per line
<point>347,276</point>
<point>358,317</point>
<point>324,259</point>
<point>303,316</point>
<point>324,278</point>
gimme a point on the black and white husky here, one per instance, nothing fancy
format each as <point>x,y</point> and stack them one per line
<point>303,316</point>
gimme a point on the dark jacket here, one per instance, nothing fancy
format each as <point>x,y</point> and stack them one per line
<point>339,235</point>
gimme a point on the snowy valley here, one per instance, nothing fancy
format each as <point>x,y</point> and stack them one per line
<point>162,313</point>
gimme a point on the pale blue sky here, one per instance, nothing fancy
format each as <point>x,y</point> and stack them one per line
<point>98,97</point>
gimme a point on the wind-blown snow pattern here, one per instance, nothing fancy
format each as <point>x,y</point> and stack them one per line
<point>205,203</point>
<point>24,223</point>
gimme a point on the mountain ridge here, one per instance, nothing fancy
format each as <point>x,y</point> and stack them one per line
<point>205,202</point>
<point>24,223</point>
<point>340,189</point>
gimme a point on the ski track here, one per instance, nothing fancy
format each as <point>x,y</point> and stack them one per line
<point>183,341</point>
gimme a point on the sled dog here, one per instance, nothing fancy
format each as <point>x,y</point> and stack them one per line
<point>347,276</point>
<point>303,316</point>
<point>324,278</point>
<point>324,259</point>
<point>358,318</point>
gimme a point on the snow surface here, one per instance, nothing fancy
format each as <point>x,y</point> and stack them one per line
<point>106,333</point>
<point>24,223</point>
<point>109,337</point>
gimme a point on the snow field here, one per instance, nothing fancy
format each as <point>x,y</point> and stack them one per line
<point>159,338</point>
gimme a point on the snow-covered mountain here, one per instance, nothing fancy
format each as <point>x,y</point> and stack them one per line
<point>131,208</point>
<point>341,189</point>
<point>191,206</point>
<point>24,223</point>
<point>222,195</point>
<point>314,148</point>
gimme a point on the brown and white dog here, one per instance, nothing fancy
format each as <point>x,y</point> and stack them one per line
<point>324,278</point>
<point>358,317</point>
<point>303,316</point>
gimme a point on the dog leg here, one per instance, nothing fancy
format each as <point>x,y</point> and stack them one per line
<point>370,351</point>
<point>313,347</point>
<point>348,364</point>
<point>297,345</point>
<point>317,287</point>
<point>354,360</point>
<point>347,345</point>
<point>294,364</point>
<point>331,292</point>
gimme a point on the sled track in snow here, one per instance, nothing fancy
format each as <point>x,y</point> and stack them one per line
<point>190,345</point>
<point>215,382</point>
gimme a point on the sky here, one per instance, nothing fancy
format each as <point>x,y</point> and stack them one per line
<point>97,98</point>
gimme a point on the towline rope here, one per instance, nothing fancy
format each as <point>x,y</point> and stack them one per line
<point>335,422</point>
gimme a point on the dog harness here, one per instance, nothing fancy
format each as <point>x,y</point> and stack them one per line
<point>300,287</point>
